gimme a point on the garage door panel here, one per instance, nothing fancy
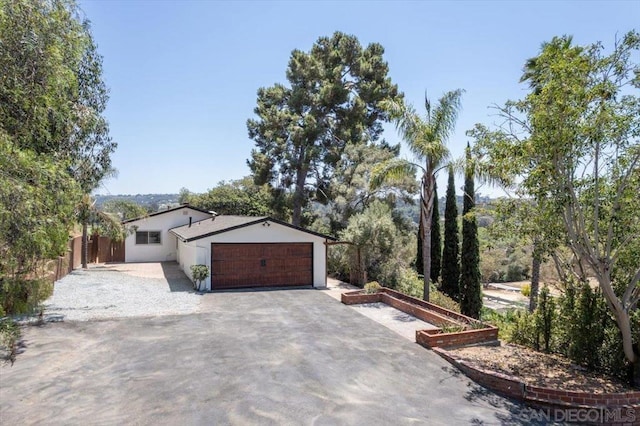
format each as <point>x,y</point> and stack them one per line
<point>236,265</point>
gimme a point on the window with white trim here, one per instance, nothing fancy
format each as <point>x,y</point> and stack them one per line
<point>148,237</point>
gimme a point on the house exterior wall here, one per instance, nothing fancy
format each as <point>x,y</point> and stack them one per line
<point>275,233</point>
<point>167,249</point>
<point>190,254</point>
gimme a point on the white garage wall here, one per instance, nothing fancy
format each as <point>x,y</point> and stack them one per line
<point>275,233</point>
<point>167,250</point>
<point>187,258</point>
<point>194,254</point>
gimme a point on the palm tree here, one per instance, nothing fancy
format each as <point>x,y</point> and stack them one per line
<point>426,138</point>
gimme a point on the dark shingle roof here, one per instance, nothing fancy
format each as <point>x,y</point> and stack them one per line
<point>220,224</point>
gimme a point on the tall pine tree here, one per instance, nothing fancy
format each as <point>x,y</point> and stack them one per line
<point>470,290</point>
<point>436,240</point>
<point>450,256</point>
<point>332,100</point>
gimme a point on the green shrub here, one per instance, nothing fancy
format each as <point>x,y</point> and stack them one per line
<point>577,326</point>
<point>372,287</point>
<point>21,296</point>
<point>199,273</point>
<point>523,331</point>
<point>439,298</point>
<point>386,248</point>
<point>526,290</point>
<point>516,272</point>
<point>544,320</point>
<point>587,331</point>
<point>410,283</point>
<point>9,336</point>
<point>504,320</point>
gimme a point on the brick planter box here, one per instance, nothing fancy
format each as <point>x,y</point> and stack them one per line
<point>474,331</point>
<point>588,408</point>
<point>438,339</point>
<point>359,297</point>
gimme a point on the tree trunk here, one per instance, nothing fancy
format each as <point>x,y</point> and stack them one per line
<point>298,196</point>
<point>535,281</point>
<point>85,245</point>
<point>428,186</point>
<point>426,256</point>
<point>623,319</point>
<point>419,258</point>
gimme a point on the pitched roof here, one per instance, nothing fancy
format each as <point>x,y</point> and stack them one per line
<point>219,224</point>
<point>183,206</point>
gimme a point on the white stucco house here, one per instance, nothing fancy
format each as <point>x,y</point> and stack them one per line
<point>240,251</point>
<point>248,251</point>
<point>151,240</point>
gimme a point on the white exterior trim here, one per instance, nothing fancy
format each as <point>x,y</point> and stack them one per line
<point>163,222</point>
<point>199,251</point>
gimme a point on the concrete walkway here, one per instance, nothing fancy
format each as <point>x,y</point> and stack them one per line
<point>392,318</point>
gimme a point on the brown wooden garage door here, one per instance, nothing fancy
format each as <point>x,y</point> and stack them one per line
<point>261,265</point>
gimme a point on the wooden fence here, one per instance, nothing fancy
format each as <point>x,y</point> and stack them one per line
<point>100,250</point>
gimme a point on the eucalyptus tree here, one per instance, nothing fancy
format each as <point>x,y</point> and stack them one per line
<point>52,95</point>
<point>574,145</point>
<point>426,138</point>
<point>37,200</point>
<point>332,100</point>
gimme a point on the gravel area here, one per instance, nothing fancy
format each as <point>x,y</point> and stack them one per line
<point>121,291</point>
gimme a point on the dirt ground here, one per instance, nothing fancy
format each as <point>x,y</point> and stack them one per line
<point>538,369</point>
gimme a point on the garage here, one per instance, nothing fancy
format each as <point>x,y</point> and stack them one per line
<point>261,265</point>
<point>252,252</point>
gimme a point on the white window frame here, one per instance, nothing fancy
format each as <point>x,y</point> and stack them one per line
<point>159,243</point>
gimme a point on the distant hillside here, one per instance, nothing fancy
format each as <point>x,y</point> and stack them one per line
<point>153,202</point>
<point>413,210</point>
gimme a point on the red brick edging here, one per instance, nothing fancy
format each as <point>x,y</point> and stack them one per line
<point>612,408</point>
<point>537,396</point>
<point>430,313</point>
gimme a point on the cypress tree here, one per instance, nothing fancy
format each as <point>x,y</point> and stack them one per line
<point>436,240</point>
<point>450,259</point>
<point>470,290</point>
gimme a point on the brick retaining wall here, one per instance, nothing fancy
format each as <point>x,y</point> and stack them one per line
<point>537,396</point>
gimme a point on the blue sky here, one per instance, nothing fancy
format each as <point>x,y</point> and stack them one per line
<point>183,75</point>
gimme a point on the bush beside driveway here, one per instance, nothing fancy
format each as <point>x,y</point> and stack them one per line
<point>264,357</point>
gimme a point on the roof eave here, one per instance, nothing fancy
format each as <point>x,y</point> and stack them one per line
<point>168,211</point>
<point>255,222</point>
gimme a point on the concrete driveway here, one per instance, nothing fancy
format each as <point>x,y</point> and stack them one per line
<point>264,357</point>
